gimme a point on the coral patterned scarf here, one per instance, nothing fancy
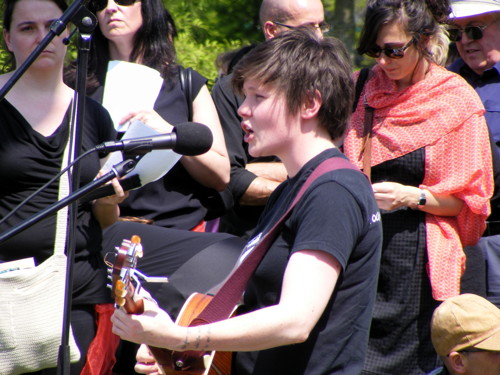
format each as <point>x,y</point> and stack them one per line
<point>443,114</point>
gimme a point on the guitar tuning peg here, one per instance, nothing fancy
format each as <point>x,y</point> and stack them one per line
<point>140,252</point>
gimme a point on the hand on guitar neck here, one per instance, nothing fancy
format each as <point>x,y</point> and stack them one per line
<point>151,359</point>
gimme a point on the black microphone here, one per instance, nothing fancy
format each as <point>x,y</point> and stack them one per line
<point>188,138</point>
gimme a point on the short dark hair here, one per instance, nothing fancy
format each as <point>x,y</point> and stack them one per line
<point>8,10</point>
<point>297,64</point>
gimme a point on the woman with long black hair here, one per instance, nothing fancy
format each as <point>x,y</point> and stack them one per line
<point>143,32</point>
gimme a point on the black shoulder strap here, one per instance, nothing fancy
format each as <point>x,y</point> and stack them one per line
<point>360,83</point>
<point>185,76</point>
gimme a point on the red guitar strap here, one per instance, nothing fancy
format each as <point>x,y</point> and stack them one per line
<point>223,303</point>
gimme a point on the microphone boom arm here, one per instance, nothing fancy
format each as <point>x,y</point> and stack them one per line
<point>118,170</point>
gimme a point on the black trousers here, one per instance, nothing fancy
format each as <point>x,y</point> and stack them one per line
<point>211,256</point>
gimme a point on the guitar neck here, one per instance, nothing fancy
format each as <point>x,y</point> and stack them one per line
<point>123,264</point>
<point>134,304</point>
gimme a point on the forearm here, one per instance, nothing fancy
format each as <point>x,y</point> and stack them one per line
<point>262,329</point>
<point>258,192</point>
<point>288,322</point>
<point>441,205</point>
<point>107,210</point>
<point>393,195</point>
<point>269,176</point>
<point>211,169</point>
<point>106,214</point>
<point>275,171</point>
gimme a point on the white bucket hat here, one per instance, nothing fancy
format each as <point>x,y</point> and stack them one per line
<point>468,8</point>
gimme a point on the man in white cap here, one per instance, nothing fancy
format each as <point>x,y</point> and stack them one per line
<point>465,332</point>
<point>476,31</point>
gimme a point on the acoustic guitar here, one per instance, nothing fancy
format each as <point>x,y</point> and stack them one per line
<point>122,265</point>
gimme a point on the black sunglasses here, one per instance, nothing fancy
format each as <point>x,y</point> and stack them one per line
<point>472,32</point>
<point>393,53</point>
<point>323,26</point>
<point>101,4</point>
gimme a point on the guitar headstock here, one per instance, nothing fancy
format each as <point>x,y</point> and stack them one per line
<point>122,264</point>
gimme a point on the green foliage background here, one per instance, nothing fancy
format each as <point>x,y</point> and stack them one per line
<point>210,27</point>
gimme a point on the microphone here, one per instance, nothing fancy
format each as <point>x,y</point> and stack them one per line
<point>188,138</point>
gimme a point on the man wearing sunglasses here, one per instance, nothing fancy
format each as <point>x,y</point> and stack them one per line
<point>476,32</point>
<point>466,335</point>
<point>475,29</point>
<point>253,180</point>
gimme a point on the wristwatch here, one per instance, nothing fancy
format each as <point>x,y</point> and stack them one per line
<point>423,199</point>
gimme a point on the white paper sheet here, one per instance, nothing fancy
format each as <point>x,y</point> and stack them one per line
<point>129,87</point>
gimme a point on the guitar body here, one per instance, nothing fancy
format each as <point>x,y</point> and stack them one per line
<point>169,362</point>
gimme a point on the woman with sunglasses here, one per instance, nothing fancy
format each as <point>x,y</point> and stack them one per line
<point>142,32</point>
<point>431,174</point>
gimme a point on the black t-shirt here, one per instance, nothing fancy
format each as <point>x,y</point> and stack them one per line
<point>174,201</point>
<point>27,161</point>
<point>338,214</point>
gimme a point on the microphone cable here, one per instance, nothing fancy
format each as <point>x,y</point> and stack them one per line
<point>47,184</point>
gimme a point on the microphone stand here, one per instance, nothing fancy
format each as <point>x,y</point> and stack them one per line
<point>85,21</point>
<point>118,170</point>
